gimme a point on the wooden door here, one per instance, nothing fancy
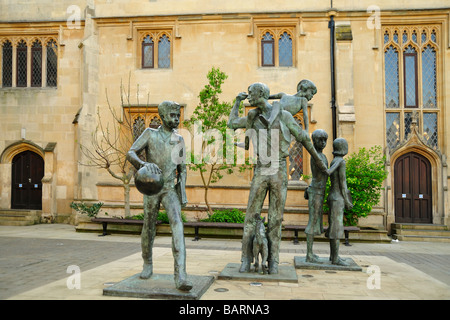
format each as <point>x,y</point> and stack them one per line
<point>412,187</point>
<point>27,173</point>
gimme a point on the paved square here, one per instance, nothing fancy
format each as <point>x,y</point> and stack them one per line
<point>34,261</point>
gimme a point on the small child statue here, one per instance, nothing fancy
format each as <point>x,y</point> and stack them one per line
<point>339,199</point>
<point>315,195</point>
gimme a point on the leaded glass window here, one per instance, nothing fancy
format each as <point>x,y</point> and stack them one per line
<point>408,120</point>
<point>430,129</point>
<point>155,47</point>
<point>36,64</point>
<point>7,52</point>
<point>296,158</point>
<point>138,127</point>
<point>139,117</point>
<point>277,46</point>
<point>404,37</point>
<point>395,37</point>
<point>268,50</point>
<point>414,36</point>
<point>21,60</point>
<point>391,77</point>
<point>147,52</point>
<point>155,122</point>
<point>410,69</point>
<point>285,50</point>
<point>164,52</point>
<point>52,64</point>
<point>411,83</point>
<point>429,77</point>
<point>433,36</point>
<point>424,37</point>
<point>392,129</point>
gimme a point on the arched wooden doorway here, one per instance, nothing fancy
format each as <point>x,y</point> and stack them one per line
<point>412,188</point>
<point>27,173</point>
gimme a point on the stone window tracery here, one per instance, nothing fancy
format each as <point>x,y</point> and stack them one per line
<point>52,63</point>
<point>36,64</point>
<point>411,61</point>
<point>277,47</point>
<point>7,63</point>
<point>29,61</point>
<point>295,164</point>
<point>155,49</point>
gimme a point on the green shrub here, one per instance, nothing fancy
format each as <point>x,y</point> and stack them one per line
<point>227,215</point>
<point>83,208</point>
<point>365,171</point>
<point>162,216</point>
<point>139,216</point>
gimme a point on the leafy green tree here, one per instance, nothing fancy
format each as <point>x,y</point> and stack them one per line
<point>365,172</point>
<point>209,120</point>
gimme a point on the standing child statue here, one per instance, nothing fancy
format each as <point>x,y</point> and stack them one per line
<point>315,195</point>
<point>338,199</point>
<point>306,90</point>
<point>162,153</point>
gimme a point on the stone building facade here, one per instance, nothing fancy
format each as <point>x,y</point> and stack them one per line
<point>66,67</point>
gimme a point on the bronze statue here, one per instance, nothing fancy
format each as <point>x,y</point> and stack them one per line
<point>315,195</point>
<point>260,246</point>
<point>272,128</point>
<point>159,145</point>
<point>339,199</point>
<point>306,89</point>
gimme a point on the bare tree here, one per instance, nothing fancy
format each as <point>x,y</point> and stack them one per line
<point>111,141</point>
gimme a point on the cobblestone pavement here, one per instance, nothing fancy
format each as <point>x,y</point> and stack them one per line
<point>27,263</point>
<point>34,262</point>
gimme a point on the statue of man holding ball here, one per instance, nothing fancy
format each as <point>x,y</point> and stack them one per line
<point>156,178</point>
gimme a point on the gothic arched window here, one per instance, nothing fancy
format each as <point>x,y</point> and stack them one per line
<point>52,64</point>
<point>36,64</point>
<point>285,50</point>
<point>268,50</point>
<point>21,60</point>
<point>147,52</point>
<point>164,52</point>
<point>411,83</point>
<point>7,64</point>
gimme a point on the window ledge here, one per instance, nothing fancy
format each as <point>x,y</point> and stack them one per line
<point>28,88</point>
<point>155,69</point>
<point>272,68</point>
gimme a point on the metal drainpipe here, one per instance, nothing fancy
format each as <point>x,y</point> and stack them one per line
<point>331,26</point>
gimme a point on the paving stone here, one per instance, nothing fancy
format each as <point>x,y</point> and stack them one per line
<point>34,260</point>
